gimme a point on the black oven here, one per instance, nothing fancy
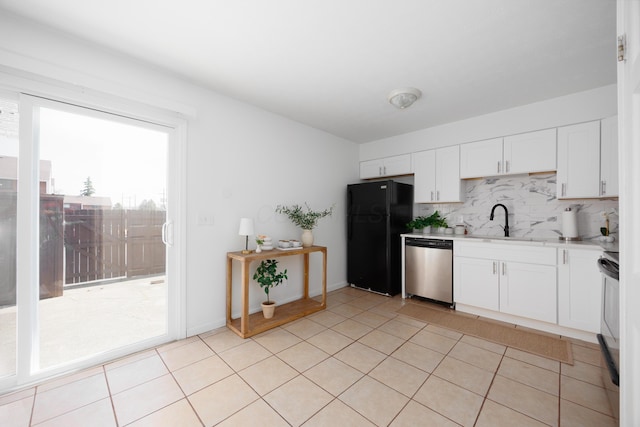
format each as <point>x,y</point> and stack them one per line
<point>609,336</point>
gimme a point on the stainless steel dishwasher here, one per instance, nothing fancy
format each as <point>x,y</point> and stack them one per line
<point>429,269</point>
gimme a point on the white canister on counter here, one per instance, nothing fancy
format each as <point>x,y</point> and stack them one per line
<point>569,224</point>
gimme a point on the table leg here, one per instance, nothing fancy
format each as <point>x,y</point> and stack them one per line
<point>306,275</point>
<point>324,278</point>
<point>229,288</point>
<point>244,321</point>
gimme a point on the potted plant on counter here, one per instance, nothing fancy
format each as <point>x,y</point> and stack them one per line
<point>421,224</point>
<point>307,220</point>
<point>438,223</point>
<point>267,276</point>
<point>432,223</point>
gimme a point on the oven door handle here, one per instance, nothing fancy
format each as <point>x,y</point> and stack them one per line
<point>608,268</point>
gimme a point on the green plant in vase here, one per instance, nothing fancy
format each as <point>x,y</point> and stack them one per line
<point>427,222</point>
<point>418,223</point>
<point>267,276</point>
<point>305,219</point>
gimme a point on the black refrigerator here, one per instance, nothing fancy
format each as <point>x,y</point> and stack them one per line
<point>377,213</point>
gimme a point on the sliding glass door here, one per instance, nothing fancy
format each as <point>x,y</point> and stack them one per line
<point>93,257</point>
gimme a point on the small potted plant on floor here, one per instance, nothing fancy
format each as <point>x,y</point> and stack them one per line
<point>305,220</point>
<point>267,276</point>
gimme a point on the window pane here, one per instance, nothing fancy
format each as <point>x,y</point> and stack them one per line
<point>102,259</point>
<point>8,208</point>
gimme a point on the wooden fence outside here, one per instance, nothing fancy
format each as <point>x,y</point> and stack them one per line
<point>110,244</point>
<point>79,246</point>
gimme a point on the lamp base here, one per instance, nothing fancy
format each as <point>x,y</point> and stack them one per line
<point>246,251</point>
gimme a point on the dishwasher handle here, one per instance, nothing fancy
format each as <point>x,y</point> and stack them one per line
<point>430,243</point>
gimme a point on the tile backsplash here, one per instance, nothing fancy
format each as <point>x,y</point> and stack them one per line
<point>534,210</point>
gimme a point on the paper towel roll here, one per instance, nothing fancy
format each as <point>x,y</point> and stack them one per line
<point>569,223</point>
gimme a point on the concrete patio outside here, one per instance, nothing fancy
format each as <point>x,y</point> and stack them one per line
<point>90,320</point>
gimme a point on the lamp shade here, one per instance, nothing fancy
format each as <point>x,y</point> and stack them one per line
<point>246,227</point>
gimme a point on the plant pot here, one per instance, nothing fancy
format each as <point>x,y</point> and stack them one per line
<point>426,230</point>
<point>268,308</point>
<point>307,238</point>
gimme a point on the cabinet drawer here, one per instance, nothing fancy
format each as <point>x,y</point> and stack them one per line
<point>508,253</point>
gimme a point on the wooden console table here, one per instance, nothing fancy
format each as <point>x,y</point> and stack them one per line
<point>249,325</point>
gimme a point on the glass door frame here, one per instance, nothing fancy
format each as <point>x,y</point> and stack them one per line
<point>28,225</point>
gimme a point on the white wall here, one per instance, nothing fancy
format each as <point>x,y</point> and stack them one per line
<point>576,108</point>
<point>241,161</point>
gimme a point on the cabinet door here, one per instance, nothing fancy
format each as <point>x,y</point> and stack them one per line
<point>609,157</point>
<point>482,158</point>
<point>476,282</point>
<point>447,175</point>
<point>579,289</point>
<point>396,165</point>
<point>528,290</point>
<point>424,179</point>
<point>371,169</point>
<point>530,152</point>
<point>579,161</point>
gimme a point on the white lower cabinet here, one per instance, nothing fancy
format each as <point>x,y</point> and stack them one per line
<point>579,289</point>
<point>528,290</point>
<point>476,283</point>
<point>517,280</point>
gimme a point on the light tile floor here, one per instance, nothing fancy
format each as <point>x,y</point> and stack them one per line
<point>358,363</point>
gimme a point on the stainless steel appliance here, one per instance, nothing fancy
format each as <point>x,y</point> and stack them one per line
<point>609,337</point>
<point>377,214</point>
<point>429,269</point>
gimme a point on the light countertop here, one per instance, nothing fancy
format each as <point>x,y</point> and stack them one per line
<point>549,242</point>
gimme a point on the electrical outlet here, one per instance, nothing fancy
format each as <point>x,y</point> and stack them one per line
<point>205,219</point>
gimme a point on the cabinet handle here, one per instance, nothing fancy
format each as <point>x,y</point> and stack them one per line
<point>432,196</point>
<point>603,184</point>
<point>564,256</point>
<point>437,194</point>
<point>506,166</point>
<point>563,191</point>
<point>494,267</point>
<point>504,268</point>
<point>379,170</point>
<point>499,166</point>
<point>385,169</point>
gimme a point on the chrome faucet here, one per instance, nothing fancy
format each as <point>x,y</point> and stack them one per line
<point>506,218</point>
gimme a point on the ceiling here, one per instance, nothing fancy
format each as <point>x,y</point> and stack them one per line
<point>330,64</point>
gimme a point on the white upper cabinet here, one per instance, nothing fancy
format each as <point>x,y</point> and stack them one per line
<point>437,176</point>
<point>516,154</point>
<point>609,157</point>
<point>482,158</point>
<point>530,152</point>
<point>587,160</point>
<point>388,166</point>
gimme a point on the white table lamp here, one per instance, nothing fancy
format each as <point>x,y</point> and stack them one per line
<point>246,230</point>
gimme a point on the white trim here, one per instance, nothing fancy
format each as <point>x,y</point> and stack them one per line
<point>27,241</point>
<point>23,68</point>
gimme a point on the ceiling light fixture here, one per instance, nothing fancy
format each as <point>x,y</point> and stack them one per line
<point>405,97</point>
